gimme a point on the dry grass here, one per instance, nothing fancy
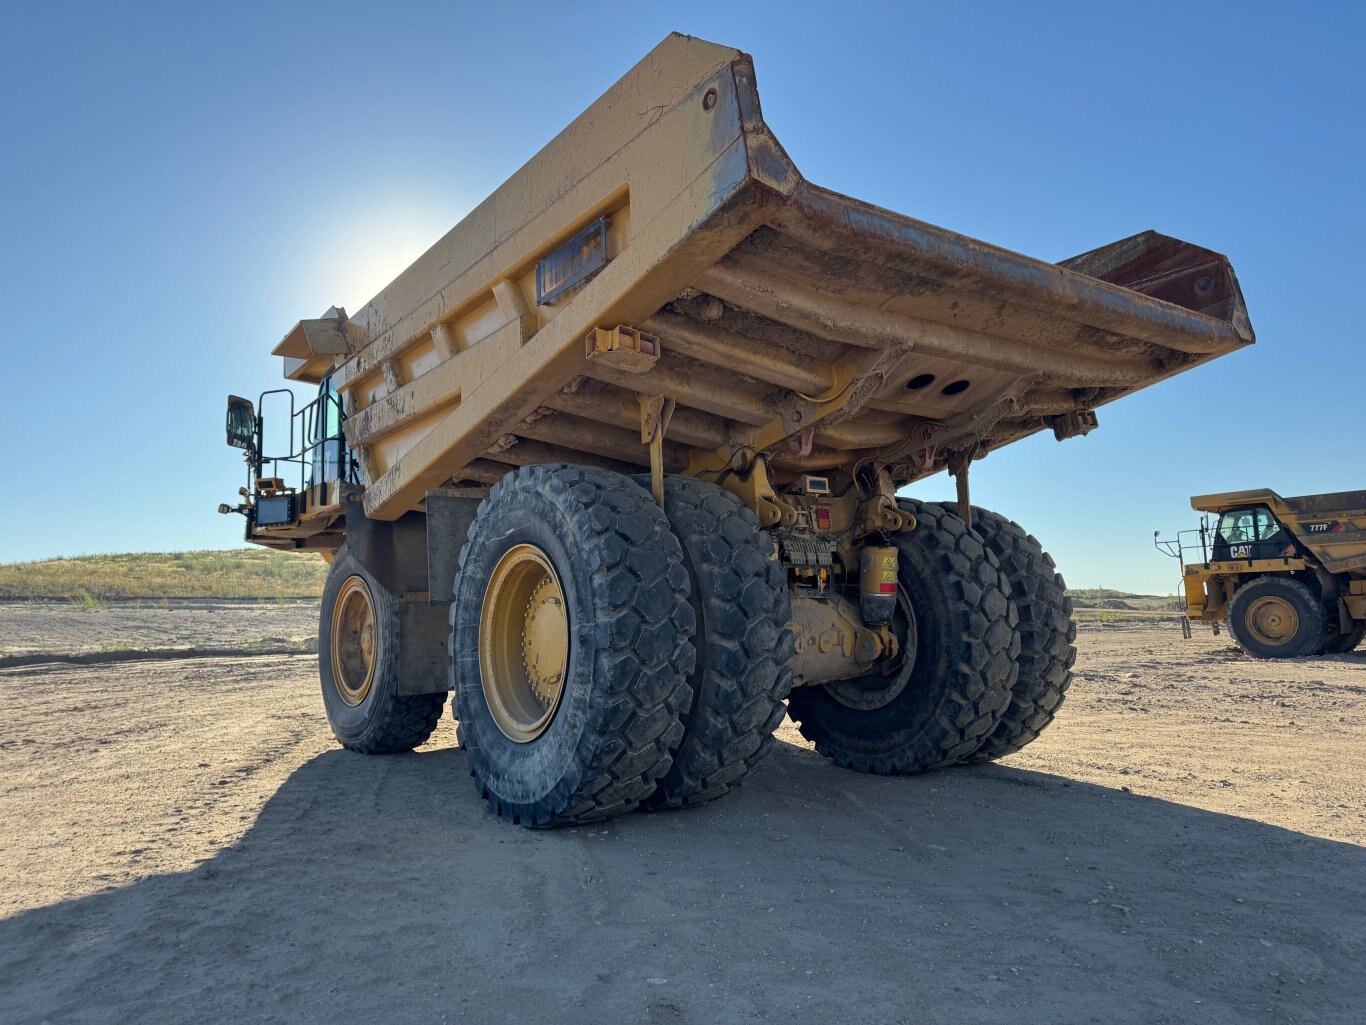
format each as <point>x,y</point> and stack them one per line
<point>92,579</point>
<point>1109,598</point>
<point>237,573</point>
<point>1098,593</point>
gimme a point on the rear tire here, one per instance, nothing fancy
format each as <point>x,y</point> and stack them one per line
<point>1335,642</point>
<point>1276,617</point>
<point>1047,634</point>
<point>617,685</point>
<point>965,660</point>
<point>740,600</point>
<point>359,673</point>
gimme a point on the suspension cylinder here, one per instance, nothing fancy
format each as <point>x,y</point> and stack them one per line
<point>877,584</point>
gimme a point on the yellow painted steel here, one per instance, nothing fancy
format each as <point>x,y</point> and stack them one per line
<point>803,330</point>
<point>1332,526</point>
<point>877,575</point>
<point>1210,586</point>
<point>524,643</point>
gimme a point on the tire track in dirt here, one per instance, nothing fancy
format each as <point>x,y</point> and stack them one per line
<point>185,833</point>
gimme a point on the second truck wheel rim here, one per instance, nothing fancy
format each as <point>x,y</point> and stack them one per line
<point>1272,620</point>
<point>523,643</point>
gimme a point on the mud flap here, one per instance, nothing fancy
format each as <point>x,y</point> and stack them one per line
<point>423,658</point>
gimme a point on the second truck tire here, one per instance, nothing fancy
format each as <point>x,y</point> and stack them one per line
<point>1335,642</point>
<point>570,645</point>
<point>965,660</point>
<point>1276,617</point>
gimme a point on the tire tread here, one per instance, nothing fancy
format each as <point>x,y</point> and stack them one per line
<point>743,641</point>
<point>644,653</point>
<point>983,642</point>
<point>397,722</point>
<point>1047,634</point>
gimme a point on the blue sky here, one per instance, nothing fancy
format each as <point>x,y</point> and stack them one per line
<point>180,183</point>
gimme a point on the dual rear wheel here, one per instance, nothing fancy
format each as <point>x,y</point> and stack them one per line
<point>990,664</point>
<point>607,654</point>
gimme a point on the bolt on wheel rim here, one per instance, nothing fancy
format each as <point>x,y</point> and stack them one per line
<point>523,643</point>
<point>885,680</point>
<point>353,641</point>
<point>1272,620</point>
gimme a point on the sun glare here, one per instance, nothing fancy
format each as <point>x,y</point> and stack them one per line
<point>354,259</point>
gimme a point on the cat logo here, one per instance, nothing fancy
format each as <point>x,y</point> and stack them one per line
<point>1240,551</point>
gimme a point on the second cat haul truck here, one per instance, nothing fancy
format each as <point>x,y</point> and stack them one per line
<point>1286,575</point>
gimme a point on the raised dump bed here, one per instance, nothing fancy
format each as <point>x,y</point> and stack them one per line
<point>659,291</point>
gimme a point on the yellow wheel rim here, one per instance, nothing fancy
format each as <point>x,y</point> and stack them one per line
<point>523,643</point>
<point>1272,620</point>
<point>354,643</point>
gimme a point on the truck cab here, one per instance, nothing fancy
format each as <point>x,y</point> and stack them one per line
<point>1250,532</point>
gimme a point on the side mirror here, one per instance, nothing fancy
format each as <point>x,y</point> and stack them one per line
<point>241,423</point>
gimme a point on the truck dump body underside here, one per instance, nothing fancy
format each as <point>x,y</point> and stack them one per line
<point>783,319</point>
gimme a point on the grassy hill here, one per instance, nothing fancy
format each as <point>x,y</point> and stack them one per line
<point>239,573</point>
<point>1098,593</point>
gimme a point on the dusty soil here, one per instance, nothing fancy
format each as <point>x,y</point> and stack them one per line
<point>128,628</point>
<point>181,841</point>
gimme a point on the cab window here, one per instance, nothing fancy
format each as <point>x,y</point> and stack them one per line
<point>1237,526</point>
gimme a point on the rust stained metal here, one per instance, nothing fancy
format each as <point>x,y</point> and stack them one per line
<point>1171,270</point>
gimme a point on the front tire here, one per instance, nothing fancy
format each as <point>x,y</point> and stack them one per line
<point>957,690</point>
<point>570,645</point>
<point>1276,617</point>
<point>358,664</point>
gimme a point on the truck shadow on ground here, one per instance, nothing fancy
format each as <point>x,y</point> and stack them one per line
<point>381,890</point>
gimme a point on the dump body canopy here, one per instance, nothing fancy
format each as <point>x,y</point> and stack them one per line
<point>790,320</point>
<point>1332,526</point>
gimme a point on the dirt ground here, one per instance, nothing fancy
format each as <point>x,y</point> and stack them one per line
<point>181,841</point>
<point>121,630</point>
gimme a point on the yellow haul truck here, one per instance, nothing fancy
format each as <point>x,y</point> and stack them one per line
<point>1288,575</point>
<point>617,459</point>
